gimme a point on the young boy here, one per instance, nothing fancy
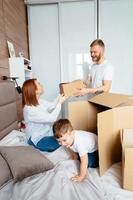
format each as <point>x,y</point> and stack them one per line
<point>82,142</point>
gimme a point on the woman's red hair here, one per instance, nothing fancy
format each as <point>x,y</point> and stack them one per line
<point>29,97</point>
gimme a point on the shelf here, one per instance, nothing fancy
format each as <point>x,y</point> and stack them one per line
<point>19,67</point>
<point>26,61</point>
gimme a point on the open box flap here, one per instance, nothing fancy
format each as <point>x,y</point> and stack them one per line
<point>110,100</point>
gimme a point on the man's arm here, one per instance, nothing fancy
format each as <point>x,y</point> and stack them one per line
<point>104,88</point>
<point>87,82</point>
<point>83,169</point>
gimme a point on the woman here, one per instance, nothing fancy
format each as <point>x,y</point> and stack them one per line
<point>39,116</point>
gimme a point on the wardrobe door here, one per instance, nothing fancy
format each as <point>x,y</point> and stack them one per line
<point>44,46</point>
<point>77,32</point>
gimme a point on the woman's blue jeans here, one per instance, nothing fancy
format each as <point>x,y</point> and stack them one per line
<point>48,143</point>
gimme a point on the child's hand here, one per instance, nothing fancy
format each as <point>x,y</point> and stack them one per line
<point>83,169</point>
<point>74,156</point>
<point>78,178</point>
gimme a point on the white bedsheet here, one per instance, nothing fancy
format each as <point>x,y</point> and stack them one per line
<point>56,184</point>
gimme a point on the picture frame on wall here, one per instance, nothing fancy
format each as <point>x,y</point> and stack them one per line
<point>11,49</point>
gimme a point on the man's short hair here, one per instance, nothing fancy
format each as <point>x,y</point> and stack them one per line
<point>97,42</point>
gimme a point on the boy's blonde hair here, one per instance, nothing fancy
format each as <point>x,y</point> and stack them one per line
<point>61,126</point>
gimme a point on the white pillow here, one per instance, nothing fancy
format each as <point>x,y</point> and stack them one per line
<point>14,138</point>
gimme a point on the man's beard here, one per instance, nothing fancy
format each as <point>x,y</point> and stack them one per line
<point>97,58</point>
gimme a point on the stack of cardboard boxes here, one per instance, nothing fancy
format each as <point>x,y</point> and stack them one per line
<point>127,158</point>
<point>106,114</point>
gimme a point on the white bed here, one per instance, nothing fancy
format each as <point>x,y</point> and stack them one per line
<point>55,184</point>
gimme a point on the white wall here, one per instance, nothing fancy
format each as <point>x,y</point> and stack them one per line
<point>117,32</point>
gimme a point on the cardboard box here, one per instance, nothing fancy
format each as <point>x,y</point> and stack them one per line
<point>70,89</point>
<point>104,114</point>
<point>127,158</point>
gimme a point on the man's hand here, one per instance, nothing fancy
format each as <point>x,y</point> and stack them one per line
<point>85,91</point>
<point>81,92</point>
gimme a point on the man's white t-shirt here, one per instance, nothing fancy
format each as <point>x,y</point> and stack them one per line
<point>100,72</point>
<point>84,142</point>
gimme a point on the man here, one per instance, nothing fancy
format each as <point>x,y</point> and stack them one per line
<point>101,72</point>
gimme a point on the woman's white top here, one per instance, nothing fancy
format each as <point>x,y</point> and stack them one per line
<point>39,119</point>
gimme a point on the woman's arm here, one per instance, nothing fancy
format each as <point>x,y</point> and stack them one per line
<point>39,114</point>
<point>52,105</point>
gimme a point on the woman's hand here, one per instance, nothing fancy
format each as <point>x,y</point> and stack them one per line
<point>62,98</point>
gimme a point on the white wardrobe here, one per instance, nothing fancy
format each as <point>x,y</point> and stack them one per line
<point>60,35</point>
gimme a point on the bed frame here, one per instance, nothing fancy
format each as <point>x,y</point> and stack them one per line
<point>8,110</point>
